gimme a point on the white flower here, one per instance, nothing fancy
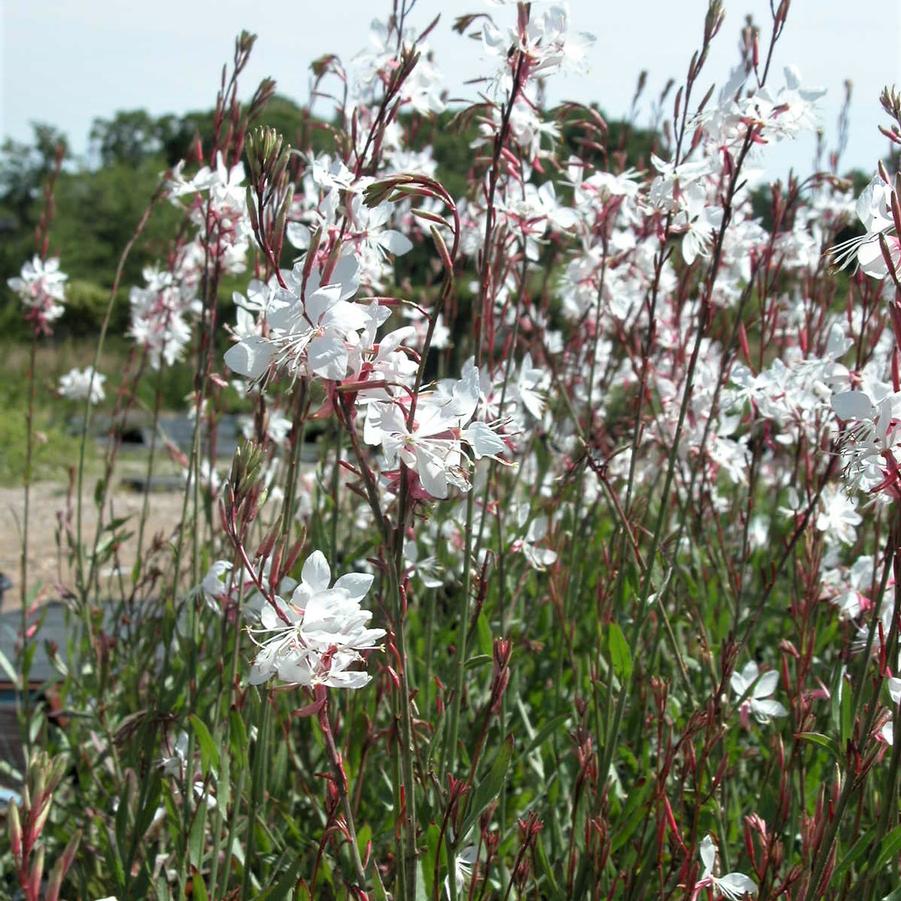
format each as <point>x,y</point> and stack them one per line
<point>795,108</point>
<point>530,386</point>
<point>874,209</point>
<point>760,687</point>
<point>160,314</point>
<point>371,232</point>
<point>544,40</point>
<point>82,384</point>
<point>463,864</point>
<point>313,327</point>
<point>433,445</point>
<point>870,437</point>
<point>887,732</point>
<point>539,557</point>
<point>173,764</point>
<point>894,689</point>
<point>668,190</point>
<point>838,515</point>
<point>429,447</point>
<point>733,885</point>
<point>318,635</point>
<point>41,288</point>
<point>700,223</point>
<point>426,568</point>
<point>215,584</point>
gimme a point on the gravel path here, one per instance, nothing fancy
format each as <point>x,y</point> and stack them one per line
<point>47,566</point>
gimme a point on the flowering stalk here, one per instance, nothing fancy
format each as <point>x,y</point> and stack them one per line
<point>41,290</point>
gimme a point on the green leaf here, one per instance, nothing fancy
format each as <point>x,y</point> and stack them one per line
<point>478,660</point>
<point>847,715</point>
<point>284,888</point>
<point>364,836</point>
<point>197,834</point>
<point>148,811</point>
<point>618,649</point>
<point>28,653</point>
<point>9,669</point>
<point>550,889</point>
<point>855,852</point>
<point>420,883</point>
<point>432,852</point>
<point>199,887</point>
<point>209,753</point>
<point>824,741</point>
<point>489,787</point>
<point>239,740</point>
<point>835,701</point>
<point>121,828</point>
<point>483,635</point>
<point>544,733</point>
<point>633,815</point>
<point>889,847</point>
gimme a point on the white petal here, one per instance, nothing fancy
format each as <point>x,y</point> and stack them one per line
<point>483,440</point>
<point>851,405</point>
<point>328,357</point>
<point>316,572</point>
<point>563,217</point>
<point>297,670</point>
<point>741,680</point>
<point>249,357</point>
<point>764,711</point>
<point>394,242</point>
<point>298,235</point>
<point>735,885</point>
<point>346,275</point>
<point>320,301</point>
<point>349,679</point>
<point>766,684</point>
<point>708,855</point>
<point>356,585</point>
<point>432,474</point>
<point>894,689</point>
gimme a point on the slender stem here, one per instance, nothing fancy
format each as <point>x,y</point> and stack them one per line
<point>23,560</point>
<point>341,785</point>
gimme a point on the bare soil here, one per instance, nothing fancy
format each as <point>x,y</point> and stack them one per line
<point>48,567</point>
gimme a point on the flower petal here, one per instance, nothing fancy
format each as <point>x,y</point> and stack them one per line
<point>249,357</point>
<point>316,573</point>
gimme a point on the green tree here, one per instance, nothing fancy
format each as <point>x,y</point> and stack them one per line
<point>130,137</point>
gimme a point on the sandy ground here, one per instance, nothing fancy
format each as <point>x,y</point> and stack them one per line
<point>47,564</point>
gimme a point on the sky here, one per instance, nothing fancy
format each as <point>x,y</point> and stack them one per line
<point>66,62</point>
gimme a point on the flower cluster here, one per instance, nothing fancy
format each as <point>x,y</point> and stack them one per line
<point>82,384</point>
<point>316,637</point>
<point>41,288</point>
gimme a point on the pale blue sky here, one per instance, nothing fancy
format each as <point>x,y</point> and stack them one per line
<point>68,61</point>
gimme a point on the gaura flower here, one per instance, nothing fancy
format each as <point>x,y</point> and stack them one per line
<point>756,690</point>
<point>82,384</point>
<point>316,637</point>
<point>733,886</point>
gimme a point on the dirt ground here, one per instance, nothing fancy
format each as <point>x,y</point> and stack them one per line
<point>47,565</point>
